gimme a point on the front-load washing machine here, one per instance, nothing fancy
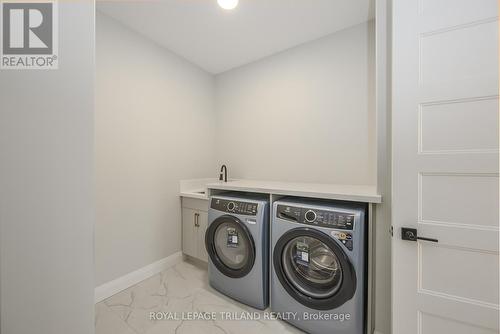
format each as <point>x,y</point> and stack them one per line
<point>318,275</point>
<point>237,242</point>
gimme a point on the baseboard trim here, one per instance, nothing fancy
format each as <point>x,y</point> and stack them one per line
<point>121,283</point>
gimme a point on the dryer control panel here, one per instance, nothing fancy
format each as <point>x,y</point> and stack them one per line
<point>322,218</point>
<point>236,207</point>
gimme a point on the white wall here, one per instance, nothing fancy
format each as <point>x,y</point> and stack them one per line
<point>154,126</point>
<point>46,195</point>
<point>306,114</point>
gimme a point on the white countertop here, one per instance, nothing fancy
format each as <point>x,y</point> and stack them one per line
<point>195,188</point>
<point>195,193</point>
<point>359,193</point>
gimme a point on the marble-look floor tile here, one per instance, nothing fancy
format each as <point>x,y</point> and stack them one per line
<point>107,322</point>
<point>177,291</point>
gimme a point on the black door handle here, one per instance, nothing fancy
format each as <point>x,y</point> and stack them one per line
<point>410,234</point>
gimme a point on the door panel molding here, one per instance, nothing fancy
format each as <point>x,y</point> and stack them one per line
<point>482,113</point>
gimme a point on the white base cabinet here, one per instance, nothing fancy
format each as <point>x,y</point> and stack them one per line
<point>194,226</point>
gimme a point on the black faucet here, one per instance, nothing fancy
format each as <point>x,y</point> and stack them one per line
<point>223,177</point>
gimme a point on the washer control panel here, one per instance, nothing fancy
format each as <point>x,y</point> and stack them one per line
<point>236,207</point>
<point>322,218</point>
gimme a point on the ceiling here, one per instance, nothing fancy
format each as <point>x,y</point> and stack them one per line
<point>218,40</point>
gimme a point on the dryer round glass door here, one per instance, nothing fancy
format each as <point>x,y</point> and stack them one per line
<point>230,246</point>
<point>314,269</point>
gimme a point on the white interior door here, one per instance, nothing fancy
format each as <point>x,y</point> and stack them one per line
<point>445,166</point>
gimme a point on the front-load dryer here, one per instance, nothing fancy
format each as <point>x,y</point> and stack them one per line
<point>237,242</point>
<point>318,275</point>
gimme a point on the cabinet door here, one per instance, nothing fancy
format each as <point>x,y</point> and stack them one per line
<point>189,232</point>
<point>202,228</point>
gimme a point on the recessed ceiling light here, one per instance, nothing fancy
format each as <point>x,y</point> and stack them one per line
<point>228,4</point>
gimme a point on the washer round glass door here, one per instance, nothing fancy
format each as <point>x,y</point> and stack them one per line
<point>230,246</point>
<point>314,269</point>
